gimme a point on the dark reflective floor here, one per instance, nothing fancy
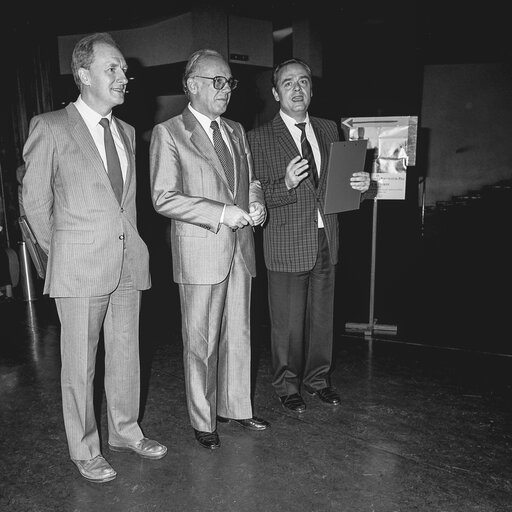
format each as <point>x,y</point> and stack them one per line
<point>420,428</point>
<point>425,418</point>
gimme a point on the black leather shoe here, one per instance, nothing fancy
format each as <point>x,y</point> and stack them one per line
<point>293,403</point>
<point>249,423</point>
<point>327,395</point>
<point>208,440</point>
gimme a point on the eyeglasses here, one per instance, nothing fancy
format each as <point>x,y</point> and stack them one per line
<point>220,81</point>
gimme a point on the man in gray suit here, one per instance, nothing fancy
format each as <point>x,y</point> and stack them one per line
<point>79,197</point>
<point>202,179</point>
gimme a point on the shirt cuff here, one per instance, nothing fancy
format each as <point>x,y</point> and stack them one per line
<point>222,216</point>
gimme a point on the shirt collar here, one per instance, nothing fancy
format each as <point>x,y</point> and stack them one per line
<point>290,122</point>
<point>205,121</point>
<point>90,116</point>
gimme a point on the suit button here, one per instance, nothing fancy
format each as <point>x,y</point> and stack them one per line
<point>121,237</point>
<point>122,210</point>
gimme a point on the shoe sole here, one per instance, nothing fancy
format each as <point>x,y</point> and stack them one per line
<point>125,449</point>
<point>234,422</point>
<point>100,481</point>
<point>211,447</point>
<point>294,411</point>
<point>329,404</point>
<point>208,446</point>
<point>252,429</point>
<point>96,480</point>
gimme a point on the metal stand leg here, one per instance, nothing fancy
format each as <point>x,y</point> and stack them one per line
<point>372,326</point>
<point>27,282</point>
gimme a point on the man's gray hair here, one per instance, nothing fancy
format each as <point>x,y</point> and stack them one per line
<point>193,63</point>
<point>83,53</point>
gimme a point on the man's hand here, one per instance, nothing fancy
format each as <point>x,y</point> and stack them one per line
<point>296,171</point>
<point>258,213</point>
<point>235,217</point>
<point>360,181</point>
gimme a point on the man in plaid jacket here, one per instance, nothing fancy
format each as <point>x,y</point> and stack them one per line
<point>300,241</point>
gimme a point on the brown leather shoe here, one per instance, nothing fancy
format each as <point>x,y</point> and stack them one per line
<point>327,395</point>
<point>249,423</point>
<point>293,402</point>
<point>209,440</point>
<point>96,470</point>
<point>146,448</point>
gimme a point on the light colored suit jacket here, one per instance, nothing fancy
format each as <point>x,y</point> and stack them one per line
<point>189,186</point>
<point>290,235</point>
<point>70,204</point>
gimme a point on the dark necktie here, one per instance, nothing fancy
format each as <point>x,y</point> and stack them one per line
<point>307,153</point>
<point>113,165</point>
<point>224,155</point>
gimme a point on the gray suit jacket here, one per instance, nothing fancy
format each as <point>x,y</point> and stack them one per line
<point>73,211</point>
<point>189,186</point>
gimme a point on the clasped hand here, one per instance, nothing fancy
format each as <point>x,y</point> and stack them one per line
<point>235,217</point>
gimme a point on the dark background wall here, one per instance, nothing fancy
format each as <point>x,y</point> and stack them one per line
<point>467,109</point>
<point>450,65</point>
<point>447,64</point>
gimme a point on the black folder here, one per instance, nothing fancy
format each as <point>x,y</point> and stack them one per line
<point>38,256</point>
<point>345,158</point>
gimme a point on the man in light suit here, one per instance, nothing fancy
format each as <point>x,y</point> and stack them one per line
<point>86,221</point>
<point>213,201</point>
<point>300,241</point>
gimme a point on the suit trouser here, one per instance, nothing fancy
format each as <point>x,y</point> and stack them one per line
<point>81,321</point>
<point>217,347</point>
<point>301,308</point>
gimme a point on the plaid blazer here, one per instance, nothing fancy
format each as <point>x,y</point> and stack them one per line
<point>290,234</point>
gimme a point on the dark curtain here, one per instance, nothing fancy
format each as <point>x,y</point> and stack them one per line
<point>26,89</point>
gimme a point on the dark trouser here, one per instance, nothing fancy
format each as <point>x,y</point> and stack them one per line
<point>301,315</point>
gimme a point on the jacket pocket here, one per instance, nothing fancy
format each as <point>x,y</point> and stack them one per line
<point>73,236</point>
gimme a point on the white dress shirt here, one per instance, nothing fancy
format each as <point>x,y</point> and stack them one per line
<point>296,134</point>
<point>206,122</point>
<point>92,120</point>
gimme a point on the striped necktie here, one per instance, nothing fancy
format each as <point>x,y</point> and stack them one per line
<point>307,153</point>
<point>224,155</point>
<point>113,165</point>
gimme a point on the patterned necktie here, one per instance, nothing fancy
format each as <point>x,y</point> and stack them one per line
<point>307,153</point>
<point>224,155</point>
<point>113,165</point>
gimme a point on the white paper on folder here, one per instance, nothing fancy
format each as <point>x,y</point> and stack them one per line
<point>394,140</point>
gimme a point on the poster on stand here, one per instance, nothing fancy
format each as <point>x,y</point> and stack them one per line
<point>392,143</point>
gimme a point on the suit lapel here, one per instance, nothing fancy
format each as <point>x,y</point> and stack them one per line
<point>324,150</point>
<point>234,141</point>
<point>130,156</point>
<point>203,144</point>
<point>85,142</point>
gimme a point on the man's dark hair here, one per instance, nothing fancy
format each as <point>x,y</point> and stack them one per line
<point>286,63</point>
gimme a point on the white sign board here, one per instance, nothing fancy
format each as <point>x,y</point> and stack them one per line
<point>393,141</point>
